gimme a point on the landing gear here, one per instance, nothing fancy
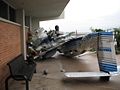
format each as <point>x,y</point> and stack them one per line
<point>105,78</point>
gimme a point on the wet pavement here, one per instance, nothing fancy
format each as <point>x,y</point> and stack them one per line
<point>54,78</point>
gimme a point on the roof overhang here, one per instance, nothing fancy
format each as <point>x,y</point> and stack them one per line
<point>42,9</point>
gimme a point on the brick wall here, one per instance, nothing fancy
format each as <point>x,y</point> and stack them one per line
<point>10,47</point>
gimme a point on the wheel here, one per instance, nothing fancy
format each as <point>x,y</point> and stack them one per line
<point>105,78</point>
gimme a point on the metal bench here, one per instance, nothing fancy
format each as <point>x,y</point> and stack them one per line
<point>20,70</point>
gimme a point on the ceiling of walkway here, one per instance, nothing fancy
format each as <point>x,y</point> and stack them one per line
<point>40,8</point>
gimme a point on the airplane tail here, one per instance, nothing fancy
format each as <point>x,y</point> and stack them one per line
<point>106,52</point>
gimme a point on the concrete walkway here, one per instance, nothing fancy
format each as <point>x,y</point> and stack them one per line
<point>55,79</point>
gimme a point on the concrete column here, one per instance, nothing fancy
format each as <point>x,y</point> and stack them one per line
<point>20,18</point>
<point>32,22</point>
<point>35,23</point>
<point>28,21</point>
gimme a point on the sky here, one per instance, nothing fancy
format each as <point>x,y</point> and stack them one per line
<point>81,15</point>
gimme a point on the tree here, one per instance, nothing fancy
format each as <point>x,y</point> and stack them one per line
<point>117,37</point>
<point>97,30</point>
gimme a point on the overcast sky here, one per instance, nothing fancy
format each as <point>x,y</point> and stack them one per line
<point>80,15</point>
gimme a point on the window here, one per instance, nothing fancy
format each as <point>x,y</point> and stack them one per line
<point>12,14</point>
<point>7,11</point>
<point>3,10</point>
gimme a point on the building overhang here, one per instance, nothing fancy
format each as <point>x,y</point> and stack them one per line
<point>42,9</point>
